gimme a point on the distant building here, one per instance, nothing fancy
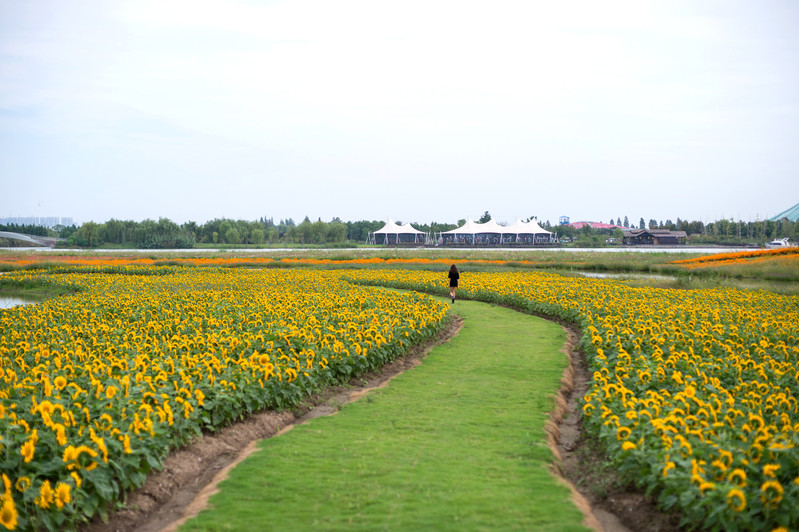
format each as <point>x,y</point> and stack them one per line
<point>563,220</point>
<point>654,237</point>
<point>43,221</point>
<point>595,225</point>
<point>791,214</point>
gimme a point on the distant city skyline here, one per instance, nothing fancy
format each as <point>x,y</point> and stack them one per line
<point>43,221</point>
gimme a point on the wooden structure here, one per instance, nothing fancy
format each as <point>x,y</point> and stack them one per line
<point>654,237</point>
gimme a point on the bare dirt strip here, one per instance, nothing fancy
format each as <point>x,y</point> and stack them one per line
<point>190,475</point>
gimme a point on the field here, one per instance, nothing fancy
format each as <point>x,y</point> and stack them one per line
<point>693,396</point>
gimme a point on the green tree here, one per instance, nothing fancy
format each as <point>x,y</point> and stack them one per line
<point>336,232</point>
<point>305,231</point>
<point>88,235</point>
<point>145,230</point>
<point>232,236</point>
<point>224,228</point>
<point>257,236</point>
<point>191,228</point>
<point>112,231</point>
<point>486,217</point>
<point>319,232</point>
<point>564,231</point>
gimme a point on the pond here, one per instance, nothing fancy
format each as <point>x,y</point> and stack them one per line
<point>627,275</point>
<point>8,302</point>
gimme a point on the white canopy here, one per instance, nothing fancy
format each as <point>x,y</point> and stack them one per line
<point>469,228</point>
<point>391,228</point>
<point>526,228</point>
<point>471,232</point>
<point>408,228</point>
<point>517,228</point>
<point>511,233</point>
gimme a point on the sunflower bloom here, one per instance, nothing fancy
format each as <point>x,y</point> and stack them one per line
<point>60,382</point>
<point>63,495</point>
<point>46,496</point>
<point>738,477</point>
<point>8,512</point>
<point>771,494</point>
<point>736,500</point>
<point>28,448</point>
<point>706,486</point>
<point>22,484</point>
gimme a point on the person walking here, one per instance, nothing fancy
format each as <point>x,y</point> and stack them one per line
<point>453,281</point>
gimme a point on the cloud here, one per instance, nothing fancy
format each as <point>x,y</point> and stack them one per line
<point>338,97</point>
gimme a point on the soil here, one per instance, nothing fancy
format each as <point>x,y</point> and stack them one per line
<point>617,505</point>
<point>190,475</point>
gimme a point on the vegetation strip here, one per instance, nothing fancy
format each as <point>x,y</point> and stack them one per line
<point>458,442</point>
<point>96,388</point>
<point>177,511</point>
<point>693,394</point>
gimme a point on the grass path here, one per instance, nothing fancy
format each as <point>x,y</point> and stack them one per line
<point>457,443</point>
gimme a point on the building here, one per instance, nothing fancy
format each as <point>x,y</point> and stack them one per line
<point>654,237</point>
<point>791,214</point>
<point>595,225</point>
<point>43,221</point>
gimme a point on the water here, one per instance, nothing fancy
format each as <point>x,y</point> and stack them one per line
<point>605,275</point>
<point>8,302</point>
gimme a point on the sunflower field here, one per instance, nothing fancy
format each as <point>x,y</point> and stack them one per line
<point>694,392</point>
<point>96,387</point>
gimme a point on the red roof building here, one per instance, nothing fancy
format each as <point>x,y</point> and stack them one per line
<point>595,225</point>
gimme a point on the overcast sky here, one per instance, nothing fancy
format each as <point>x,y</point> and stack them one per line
<point>430,110</point>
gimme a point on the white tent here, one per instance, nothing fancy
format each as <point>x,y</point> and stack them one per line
<point>529,232</point>
<point>392,233</point>
<point>491,233</point>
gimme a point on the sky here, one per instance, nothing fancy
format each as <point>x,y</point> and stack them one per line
<point>419,111</point>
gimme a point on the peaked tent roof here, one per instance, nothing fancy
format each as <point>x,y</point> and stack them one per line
<point>491,227</point>
<point>517,228</point>
<point>469,228</point>
<point>792,214</point>
<point>526,228</point>
<point>534,228</point>
<point>391,227</point>
<point>408,228</point>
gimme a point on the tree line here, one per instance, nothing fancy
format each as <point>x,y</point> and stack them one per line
<point>166,234</point>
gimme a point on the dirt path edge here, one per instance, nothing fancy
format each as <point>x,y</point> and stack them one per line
<point>189,476</point>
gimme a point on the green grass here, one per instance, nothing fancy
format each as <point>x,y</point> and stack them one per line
<point>457,443</point>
